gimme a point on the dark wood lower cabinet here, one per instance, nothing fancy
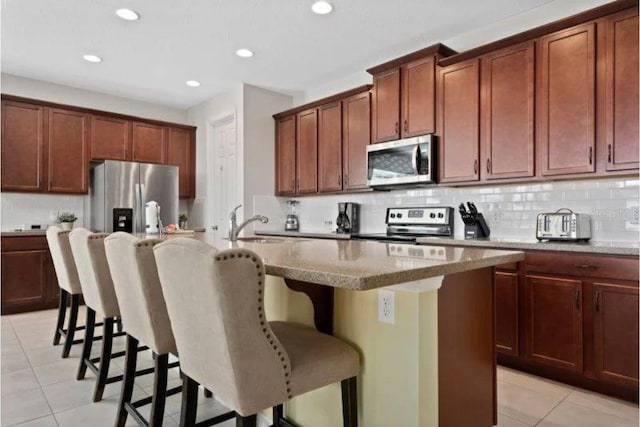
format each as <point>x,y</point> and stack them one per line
<point>506,294</point>
<point>28,276</point>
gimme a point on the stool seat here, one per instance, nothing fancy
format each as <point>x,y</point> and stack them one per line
<point>316,359</point>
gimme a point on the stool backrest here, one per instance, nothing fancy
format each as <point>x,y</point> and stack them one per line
<point>215,303</point>
<point>135,279</point>
<point>93,270</point>
<point>65,266</point>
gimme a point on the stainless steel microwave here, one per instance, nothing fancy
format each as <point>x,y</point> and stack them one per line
<point>406,162</point>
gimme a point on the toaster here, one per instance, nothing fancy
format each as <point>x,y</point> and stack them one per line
<point>565,225</point>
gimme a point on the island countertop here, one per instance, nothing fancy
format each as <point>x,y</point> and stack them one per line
<point>363,265</point>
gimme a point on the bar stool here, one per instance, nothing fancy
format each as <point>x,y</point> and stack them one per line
<point>100,297</point>
<point>65,267</point>
<point>215,303</point>
<point>135,279</point>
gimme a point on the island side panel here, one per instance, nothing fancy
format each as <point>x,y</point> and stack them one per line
<point>466,350</point>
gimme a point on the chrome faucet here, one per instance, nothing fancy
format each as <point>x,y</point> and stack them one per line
<point>234,228</point>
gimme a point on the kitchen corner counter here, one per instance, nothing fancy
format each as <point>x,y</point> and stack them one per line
<point>19,233</point>
<point>603,248</point>
<point>334,236</point>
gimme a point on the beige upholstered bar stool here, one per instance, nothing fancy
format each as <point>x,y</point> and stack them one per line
<point>65,266</point>
<point>100,297</point>
<point>143,309</point>
<point>215,303</point>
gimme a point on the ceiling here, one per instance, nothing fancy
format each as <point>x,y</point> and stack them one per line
<point>175,41</point>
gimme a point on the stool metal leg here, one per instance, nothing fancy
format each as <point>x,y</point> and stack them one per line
<point>159,389</point>
<point>189,407</point>
<point>249,421</point>
<point>350,402</point>
<point>71,328</point>
<point>88,343</point>
<point>105,358</point>
<point>62,312</point>
<point>128,381</point>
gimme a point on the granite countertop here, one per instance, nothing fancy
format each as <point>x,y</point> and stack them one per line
<point>12,233</point>
<point>606,248</point>
<point>363,265</point>
<point>335,236</point>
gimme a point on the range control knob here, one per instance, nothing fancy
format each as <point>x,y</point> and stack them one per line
<point>399,215</point>
<point>432,215</point>
<point>392,215</point>
<point>440,215</point>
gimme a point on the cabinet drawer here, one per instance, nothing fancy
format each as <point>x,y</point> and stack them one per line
<point>23,243</point>
<point>591,266</point>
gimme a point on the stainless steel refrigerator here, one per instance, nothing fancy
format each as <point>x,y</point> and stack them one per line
<point>118,193</point>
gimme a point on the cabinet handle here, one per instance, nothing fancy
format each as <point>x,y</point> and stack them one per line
<point>590,155</point>
<point>339,180</point>
<point>488,165</point>
<point>576,297</point>
<point>397,129</point>
<point>585,266</point>
<point>596,301</point>
<point>609,153</point>
<point>346,179</point>
<point>475,166</point>
<point>406,126</point>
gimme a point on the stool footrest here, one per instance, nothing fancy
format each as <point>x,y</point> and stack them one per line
<point>137,416</point>
<point>284,423</point>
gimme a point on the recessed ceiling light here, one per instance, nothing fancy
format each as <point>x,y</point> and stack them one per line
<point>92,58</point>
<point>193,83</point>
<point>128,14</point>
<point>244,53</point>
<point>321,7</point>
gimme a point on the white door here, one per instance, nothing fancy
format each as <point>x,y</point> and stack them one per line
<point>223,177</point>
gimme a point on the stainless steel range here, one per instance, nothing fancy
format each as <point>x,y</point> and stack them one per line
<point>404,225</point>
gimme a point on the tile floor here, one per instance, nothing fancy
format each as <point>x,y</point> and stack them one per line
<point>39,389</point>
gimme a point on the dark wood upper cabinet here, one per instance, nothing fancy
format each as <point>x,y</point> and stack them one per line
<point>554,322</point>
<point>307,151</point>
<point>110,138</point>
<point>507,108</point>
<point>506,295</point>
<point>148,142</point>
<point>180,152</point>
<point>286,156</point>
<point>385,117</point>
<point>68,143</point>
<point>459,121</point>
<point>418,111</point>
<point>621,104</point>
<point>356,130</point>
<point>615,333</point>
<point>566,90</point>
<point>23,149</point>
<point>330,147</point>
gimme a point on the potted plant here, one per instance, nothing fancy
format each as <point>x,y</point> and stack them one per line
<point>182,221</point>
<point>66,220</point>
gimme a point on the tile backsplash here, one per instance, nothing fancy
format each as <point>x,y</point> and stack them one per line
<point>22,209</point>
<point>510,210</point>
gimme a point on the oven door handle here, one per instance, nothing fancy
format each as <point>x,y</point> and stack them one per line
<point>414,159</point>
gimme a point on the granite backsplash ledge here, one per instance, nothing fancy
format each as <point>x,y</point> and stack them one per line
<point>510,210</point>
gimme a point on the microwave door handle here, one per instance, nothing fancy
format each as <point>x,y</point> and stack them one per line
<point>414,159</point>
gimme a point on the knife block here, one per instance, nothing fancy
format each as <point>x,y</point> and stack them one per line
<point>479,230</point>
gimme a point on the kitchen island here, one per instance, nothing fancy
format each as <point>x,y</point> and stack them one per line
<point>434,365</point>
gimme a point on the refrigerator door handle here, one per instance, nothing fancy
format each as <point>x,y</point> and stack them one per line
<point>138,219</point>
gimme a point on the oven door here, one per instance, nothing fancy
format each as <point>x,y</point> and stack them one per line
<point>403,162</point>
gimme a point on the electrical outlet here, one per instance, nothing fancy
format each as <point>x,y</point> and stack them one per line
<point>635,219</point>
<point>386,307</point>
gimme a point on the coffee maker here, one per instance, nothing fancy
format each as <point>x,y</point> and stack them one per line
<point>348,221</point>
<point>291,224</point>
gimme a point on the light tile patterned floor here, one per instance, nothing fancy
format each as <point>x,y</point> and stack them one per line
<point>39,388</point>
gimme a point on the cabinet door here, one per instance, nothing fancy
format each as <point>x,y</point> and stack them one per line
<point>286,156</point>
<point>566,101</point>
<point>506,295</point>
<point>307,151</point>
<point>356,130</point>
<point>53,289</point>
<point>149,143</point>
<point>459,127</point>
<point>419,97</point>
<point>621,105</point>
<point>615,333</point>
<point>180,153</point>
<point>24,280</point>
<point>508,112</point>
<point>385,120</point>
<point>554,322</point>
<point>330,147</point>
<point>110,138</point>
<point>22,146</point>
<point>67,151</point>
